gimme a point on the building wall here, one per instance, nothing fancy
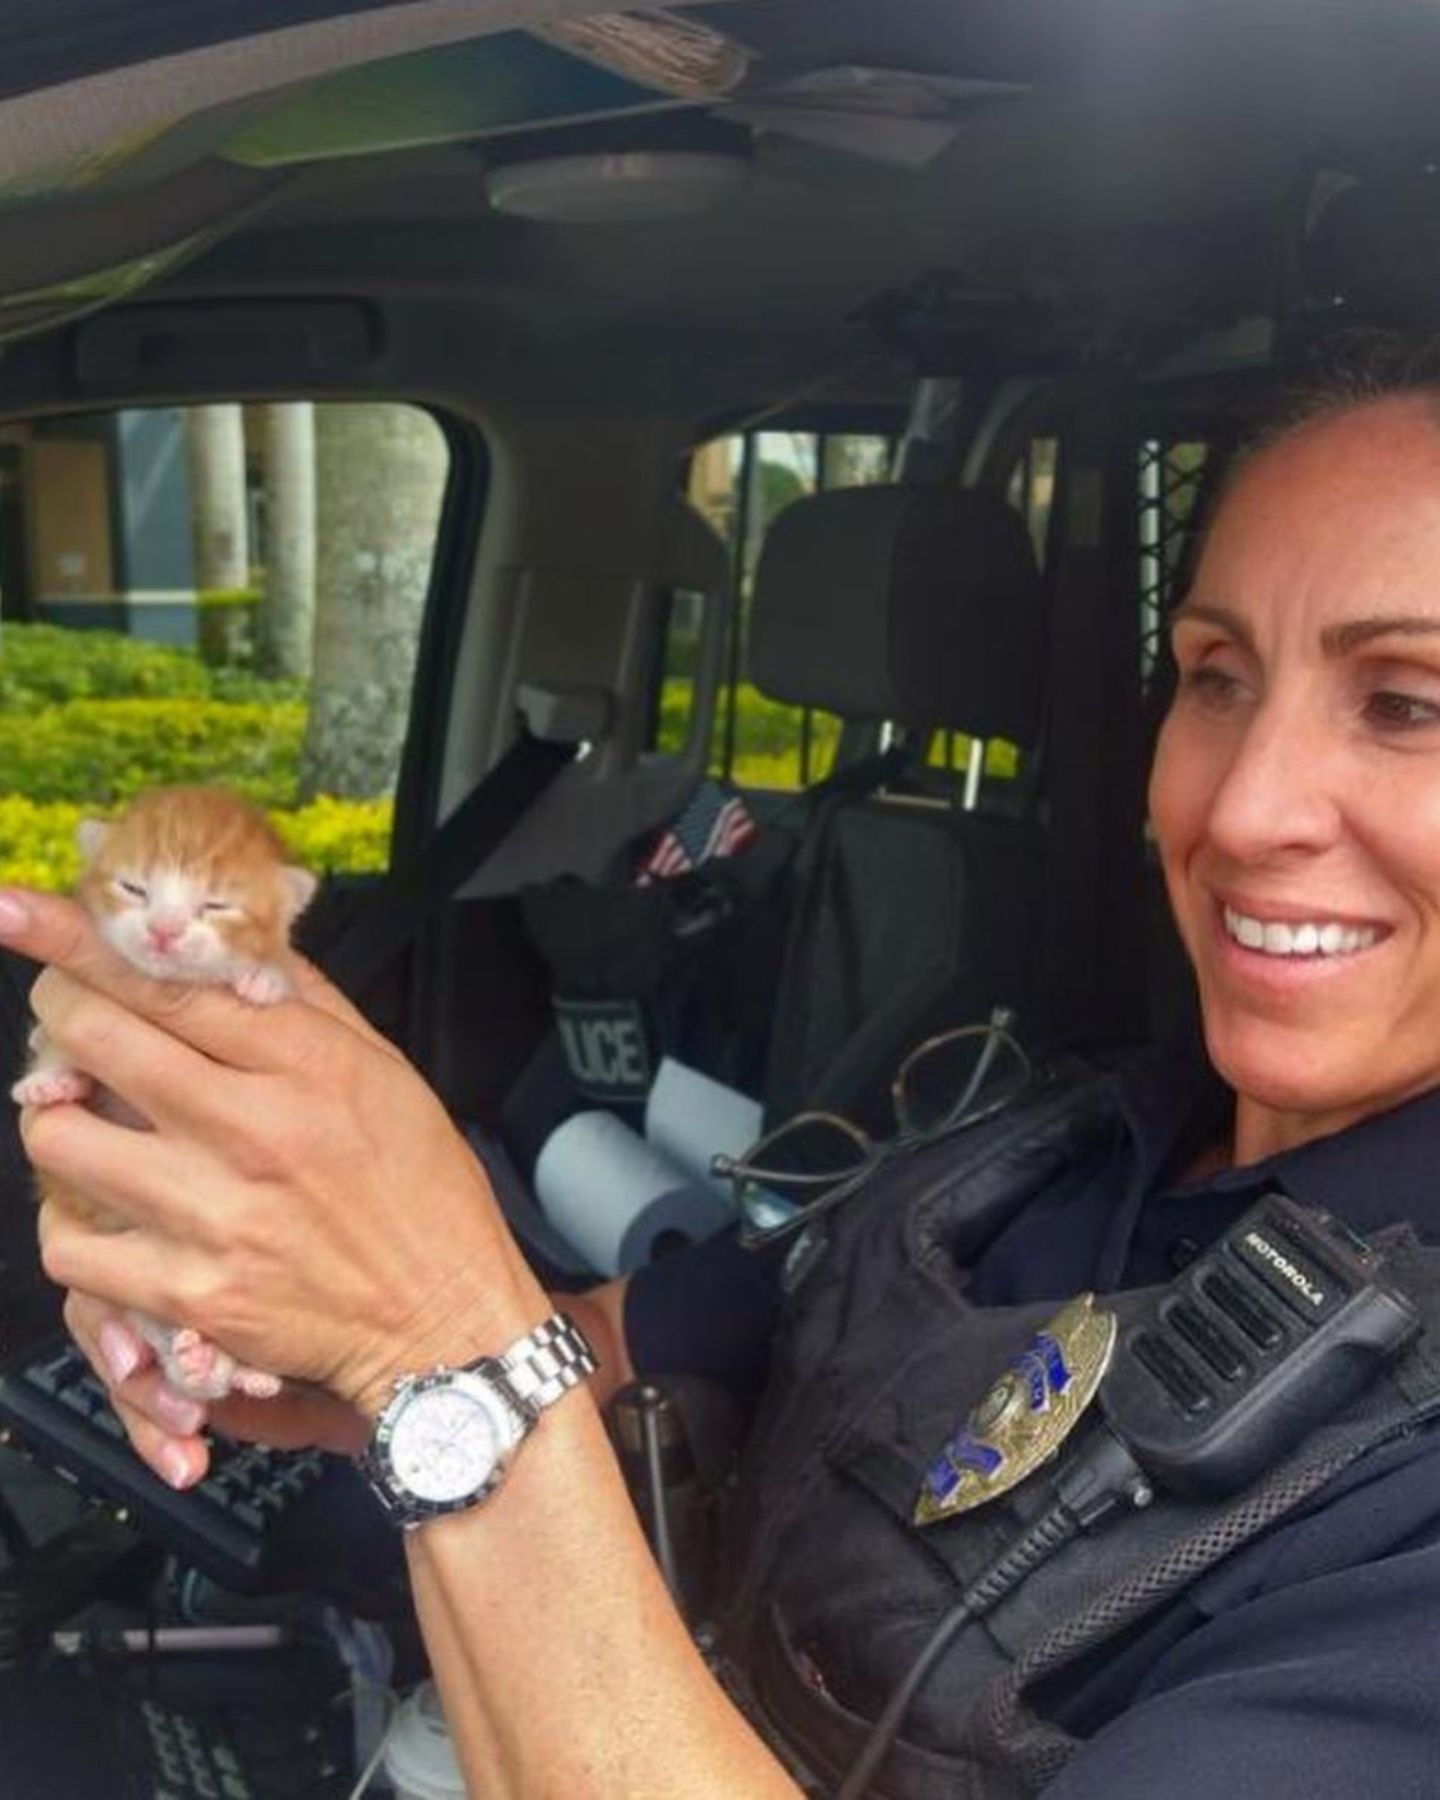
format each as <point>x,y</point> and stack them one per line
<point>68,524</point>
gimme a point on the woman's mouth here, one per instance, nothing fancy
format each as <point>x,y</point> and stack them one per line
<point>1312,937</point>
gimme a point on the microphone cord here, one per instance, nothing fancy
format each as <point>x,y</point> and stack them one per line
<point>1101,1480</point>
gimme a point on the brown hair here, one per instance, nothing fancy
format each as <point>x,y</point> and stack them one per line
<point>1359,369</point>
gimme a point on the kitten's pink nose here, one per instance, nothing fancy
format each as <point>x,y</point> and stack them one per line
<point>163,933</point>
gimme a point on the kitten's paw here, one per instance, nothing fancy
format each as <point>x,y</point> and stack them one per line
<point>51,1087</point>
<point>259,1384</point>
<point>262,986</point>
<point>196,1366</point>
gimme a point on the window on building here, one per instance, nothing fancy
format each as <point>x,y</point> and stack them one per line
<point>228,593</point>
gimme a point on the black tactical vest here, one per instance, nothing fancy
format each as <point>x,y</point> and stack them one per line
<point>831,1591</point>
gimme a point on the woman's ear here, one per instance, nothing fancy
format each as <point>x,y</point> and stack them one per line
<point>90,834</point>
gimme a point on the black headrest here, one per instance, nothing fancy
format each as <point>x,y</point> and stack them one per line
<point>918,605</point>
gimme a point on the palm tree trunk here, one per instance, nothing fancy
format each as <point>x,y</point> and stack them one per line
<point>287,611</point>
<point>380,479</point>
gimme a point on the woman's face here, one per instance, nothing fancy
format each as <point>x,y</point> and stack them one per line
<point>1295,796</point>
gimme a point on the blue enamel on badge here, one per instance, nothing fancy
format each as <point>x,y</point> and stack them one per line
<point>1025,1417</point>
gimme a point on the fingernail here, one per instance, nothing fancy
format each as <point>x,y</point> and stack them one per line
<point>175,1466</point>
<point>117,1346</point>
<point>14,913</point>
<point>178,1414</point>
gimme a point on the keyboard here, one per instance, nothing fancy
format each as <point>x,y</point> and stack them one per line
<point>241,1525</point>
<point>202,1726</point>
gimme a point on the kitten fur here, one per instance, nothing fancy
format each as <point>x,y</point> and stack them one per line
<point>189,884</point>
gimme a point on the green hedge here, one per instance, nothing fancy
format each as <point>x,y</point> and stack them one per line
<point>99,752</point>
<point>45,665</point>
<point>89,718</point>
<point>37,840</point>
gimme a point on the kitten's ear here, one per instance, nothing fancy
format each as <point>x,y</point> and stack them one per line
<point>90,834</point>
<point>300,885</point>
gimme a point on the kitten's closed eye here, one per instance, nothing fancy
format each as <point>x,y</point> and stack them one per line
<point>136,890</point>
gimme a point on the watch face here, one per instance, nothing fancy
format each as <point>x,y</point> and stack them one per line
<point>447,1441</point>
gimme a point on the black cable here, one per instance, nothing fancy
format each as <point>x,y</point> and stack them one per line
<point>883,1731</point>
<point>1101,1479</point>
<point>1036,1545</point>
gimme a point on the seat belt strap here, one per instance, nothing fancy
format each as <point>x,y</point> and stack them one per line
<point>468,838</point>
<point>862,777</point>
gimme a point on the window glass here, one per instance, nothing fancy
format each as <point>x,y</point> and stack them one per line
<point>673,692</point>
<point>1032,491</point>
<point>741,484</point>
<point>228,593</point>
<point>1171,477</point>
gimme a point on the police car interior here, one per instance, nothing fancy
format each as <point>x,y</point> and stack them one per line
<point>827,392</point>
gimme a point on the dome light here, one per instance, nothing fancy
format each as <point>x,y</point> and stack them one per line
<point>615,187</point>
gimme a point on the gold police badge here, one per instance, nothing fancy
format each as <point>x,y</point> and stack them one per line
<point>1026,1415</point>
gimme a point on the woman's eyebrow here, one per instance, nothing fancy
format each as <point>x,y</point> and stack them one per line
<point>1202,612</point>
<point>1338,640</point>
<point>1335,640</point>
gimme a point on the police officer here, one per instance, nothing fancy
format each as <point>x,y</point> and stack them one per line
<point>304,1201</point>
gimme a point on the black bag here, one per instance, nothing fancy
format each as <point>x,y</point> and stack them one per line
<point>684,967</point>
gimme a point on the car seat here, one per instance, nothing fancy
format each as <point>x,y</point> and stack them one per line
<point>923,608</point>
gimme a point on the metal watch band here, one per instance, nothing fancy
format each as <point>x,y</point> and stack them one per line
<point>532,1374</point>
<point>547,1362</point>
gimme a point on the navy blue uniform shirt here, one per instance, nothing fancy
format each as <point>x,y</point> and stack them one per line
<point>1303,1668</point>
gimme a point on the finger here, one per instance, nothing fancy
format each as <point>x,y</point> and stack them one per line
<point>178,1461</point>
<point>60,933</point>
<point>114,1347</point>
<point>125,1362</point>
<point>134,1174</point>
<point>297,1419</point>
<point>126,1053</point>
<point>123,1269</point>
<point>316,990</point>
<point>162,1426</point>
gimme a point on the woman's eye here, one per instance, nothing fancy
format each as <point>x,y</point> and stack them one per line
<point>132,888</point>
<point>1393,711</point>
<point>1211,684</point>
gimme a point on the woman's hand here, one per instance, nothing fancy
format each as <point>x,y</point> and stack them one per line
<point>166,1427</point>
<point>302,1199</point>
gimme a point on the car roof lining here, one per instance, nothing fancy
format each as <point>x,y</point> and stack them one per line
<point>1102,194</point>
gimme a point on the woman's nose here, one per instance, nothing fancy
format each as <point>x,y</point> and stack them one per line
<point>1279,790</point>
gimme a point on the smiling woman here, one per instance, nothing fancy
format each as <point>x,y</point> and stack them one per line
<point>1296,790</point>
<point>1279,1627</point>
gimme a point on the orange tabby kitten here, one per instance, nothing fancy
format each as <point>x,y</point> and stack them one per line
<point>189,884</point>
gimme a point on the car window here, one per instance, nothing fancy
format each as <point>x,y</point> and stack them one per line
<point>1171,474</point>
<point>741,483</point>
<point>228,593</point>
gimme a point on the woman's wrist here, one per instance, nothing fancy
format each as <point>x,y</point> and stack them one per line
<point>468,1317</point>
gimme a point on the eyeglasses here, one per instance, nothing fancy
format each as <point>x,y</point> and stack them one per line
<point>812,1162</point>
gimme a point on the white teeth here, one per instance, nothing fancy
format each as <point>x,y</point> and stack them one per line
<point>1305,939</point>
<point>1250,932</point>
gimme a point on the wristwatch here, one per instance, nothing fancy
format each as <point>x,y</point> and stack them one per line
<point>445,1440</point>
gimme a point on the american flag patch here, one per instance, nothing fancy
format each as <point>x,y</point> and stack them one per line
<point>716,822</point>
